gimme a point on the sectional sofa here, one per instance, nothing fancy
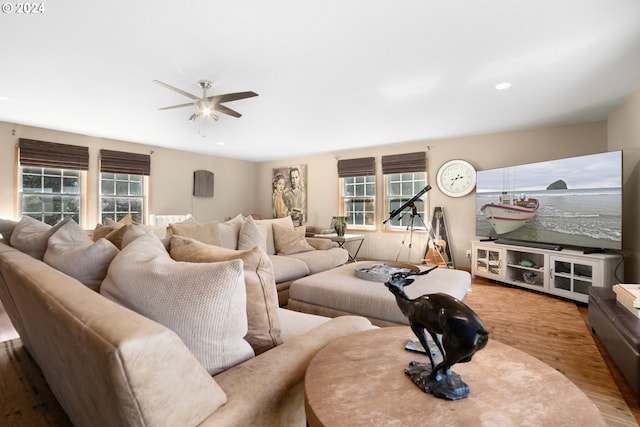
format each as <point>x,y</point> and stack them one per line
<point>293,255</point>
<point>130,336</point>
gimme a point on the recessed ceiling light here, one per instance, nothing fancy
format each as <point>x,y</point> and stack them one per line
<point>220,143</point>
<point>4,98</point>
<point>503,86</point>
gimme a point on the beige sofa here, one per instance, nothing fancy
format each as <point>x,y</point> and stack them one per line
<point>109,365</point>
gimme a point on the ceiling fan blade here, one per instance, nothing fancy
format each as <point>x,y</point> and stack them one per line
<point>227,97</point>
<point>226,110</point>
<point>175,89</point>
<point>190,104</point>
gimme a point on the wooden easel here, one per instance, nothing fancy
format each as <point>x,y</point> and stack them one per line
<point>438,251</point>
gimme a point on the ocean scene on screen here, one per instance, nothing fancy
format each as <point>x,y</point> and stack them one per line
<point>575,202</point>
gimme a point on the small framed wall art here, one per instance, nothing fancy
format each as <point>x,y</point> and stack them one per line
<point>202,183</point>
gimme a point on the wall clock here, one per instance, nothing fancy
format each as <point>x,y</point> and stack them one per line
<point>456,178</point>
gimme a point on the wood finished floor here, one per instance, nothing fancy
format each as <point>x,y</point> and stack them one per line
<point>520,328</point>
<point>7,332</point>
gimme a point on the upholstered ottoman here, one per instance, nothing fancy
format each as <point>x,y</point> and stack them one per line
<point>339,291</point>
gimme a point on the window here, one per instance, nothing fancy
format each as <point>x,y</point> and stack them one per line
<point>123,182</point>
<point>357,191</point>
<point>405,176</point>
<point>51,180</point>
<point>400,188</point>
<point>121,194</point>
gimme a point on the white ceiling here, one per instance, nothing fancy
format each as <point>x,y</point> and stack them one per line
<point>330,74</point>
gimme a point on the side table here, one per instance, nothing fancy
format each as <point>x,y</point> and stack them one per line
<point>359,380</point>
<point>341,240</point>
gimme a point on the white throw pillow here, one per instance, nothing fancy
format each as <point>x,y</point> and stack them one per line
<point>259,277</point>
<point>204,303</point>
<point>228,232</point>
<point>71,251</point>
<point>252,235</point>
<point>31,236</point>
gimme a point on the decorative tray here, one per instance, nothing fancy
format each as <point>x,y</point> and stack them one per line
<point>381,272</point>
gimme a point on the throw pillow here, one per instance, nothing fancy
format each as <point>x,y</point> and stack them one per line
<point>204,303</point>
<point>101,231</point>
<point>125,220</point>
<point>6,228</point>
<point>205,233</point>
<point>228,232</point>
<point>290,240</point>
<point>284,221</point>
<point>252,235</point>
<point>320,243</point>
<point>71,251</point>
<point>124,235</point>
<point>262,295</point>
<point>31,236</point>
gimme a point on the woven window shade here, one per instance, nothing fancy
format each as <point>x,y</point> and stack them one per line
<point>357,167</point>
<point>53,155</point>
<point>121,162</point>
<point>401,163</point>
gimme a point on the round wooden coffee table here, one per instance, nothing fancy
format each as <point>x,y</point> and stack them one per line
<point>359,380</point>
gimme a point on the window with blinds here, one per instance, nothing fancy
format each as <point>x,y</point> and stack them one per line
<point>123,185</point>
<point>404,176</point>
<point>358,191</point>
<point>52,180</point>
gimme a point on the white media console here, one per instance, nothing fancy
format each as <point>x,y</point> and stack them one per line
<point>565,273</point>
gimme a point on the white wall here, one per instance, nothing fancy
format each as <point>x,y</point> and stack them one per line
<point>624,134</point>
<point>484,152</point>
<point>171,182</point>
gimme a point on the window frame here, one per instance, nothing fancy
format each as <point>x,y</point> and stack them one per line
<point>371,199</point>
<point>417,185</point>
<point>118,215</point>
<point>79,216</point>
<point>56,158</point>
<point>130,164</point>
<point>400,164</point>
<point>356,168</point>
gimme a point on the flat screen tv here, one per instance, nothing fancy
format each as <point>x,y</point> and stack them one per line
<point>567,203</point>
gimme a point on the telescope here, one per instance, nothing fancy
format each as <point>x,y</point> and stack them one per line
<point>409,203</point>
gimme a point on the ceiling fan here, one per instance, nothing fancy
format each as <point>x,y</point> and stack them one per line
<point>206,105</point>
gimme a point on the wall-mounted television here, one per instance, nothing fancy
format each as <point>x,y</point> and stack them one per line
<point>566,203</point>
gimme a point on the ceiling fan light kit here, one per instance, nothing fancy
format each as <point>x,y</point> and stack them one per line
<point>205,105</point>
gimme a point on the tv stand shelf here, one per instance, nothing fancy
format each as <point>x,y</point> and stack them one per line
<point>566,273</point>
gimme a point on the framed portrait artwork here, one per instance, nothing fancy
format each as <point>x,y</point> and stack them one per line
<point>289,193</point>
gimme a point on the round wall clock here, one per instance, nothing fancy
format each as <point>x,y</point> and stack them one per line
<point>456,178</point>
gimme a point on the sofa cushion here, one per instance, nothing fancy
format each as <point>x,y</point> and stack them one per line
<point>318,261</point>
<point>252,235</point>
<point>262,298</point>
<point>320,243</point>
<point>71,251</point>
<point>31,236</point>
<point>288,268</point>
<point>268,224</point>
<point>205,233</point>
<point>101,231</point>
<point>160,231</point>
<point>204,303</point>
<point>228,232</point>
<point>6,228</point>
<point>120,236</point>
<point>125,220</point>
<point>290,240</point>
